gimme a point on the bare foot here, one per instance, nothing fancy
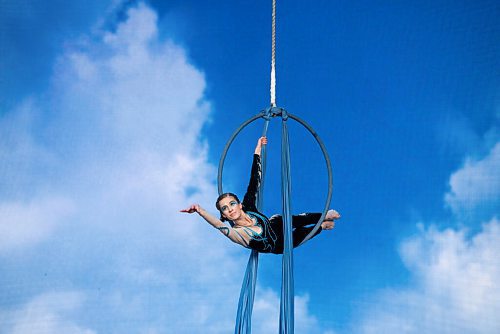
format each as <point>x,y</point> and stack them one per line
<point>329,222</point>
<point>332,215</point>
<point>328,225</point>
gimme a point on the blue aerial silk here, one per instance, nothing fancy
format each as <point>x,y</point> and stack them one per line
<point>287,293</point>
<point>247,294</point>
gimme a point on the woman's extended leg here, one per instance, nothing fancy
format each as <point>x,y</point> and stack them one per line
<point>305,219</point>
<point>304,223</point>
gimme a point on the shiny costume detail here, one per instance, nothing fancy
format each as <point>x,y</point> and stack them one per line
<point>271,239</point>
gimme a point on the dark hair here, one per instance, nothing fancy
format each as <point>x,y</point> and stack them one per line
<point>224,195</point>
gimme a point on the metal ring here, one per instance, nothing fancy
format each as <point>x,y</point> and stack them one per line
<point>318,140</point>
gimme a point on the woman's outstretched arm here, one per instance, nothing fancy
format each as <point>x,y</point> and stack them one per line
<point>217,223</point>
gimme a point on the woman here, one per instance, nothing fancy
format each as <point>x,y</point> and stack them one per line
<point>252,229</point>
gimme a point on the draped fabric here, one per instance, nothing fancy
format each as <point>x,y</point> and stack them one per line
<point>247,294</point>
<point>245,304</point>
<point>287,292</point>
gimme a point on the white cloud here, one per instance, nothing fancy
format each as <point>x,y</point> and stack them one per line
<point>121,129</point>
<point>266,314</point>
<point>122,123</point>
<point>477,183</point>
<point>48,314</point>
<point>20,153</point>
<point>23,224</point>
<point>456,285</point>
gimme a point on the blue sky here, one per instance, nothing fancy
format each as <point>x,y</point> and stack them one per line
<point>113,116</point>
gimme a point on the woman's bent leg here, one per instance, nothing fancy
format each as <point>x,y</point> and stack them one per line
<point>299,234</point>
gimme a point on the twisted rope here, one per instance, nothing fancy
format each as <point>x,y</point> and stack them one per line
<point>273,58</point>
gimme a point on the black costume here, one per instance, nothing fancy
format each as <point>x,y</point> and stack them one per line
<point>271,239</point>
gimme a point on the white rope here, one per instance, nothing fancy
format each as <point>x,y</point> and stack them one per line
<point>273,59</point>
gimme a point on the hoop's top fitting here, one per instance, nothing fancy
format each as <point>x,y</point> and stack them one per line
<point>274,111</point>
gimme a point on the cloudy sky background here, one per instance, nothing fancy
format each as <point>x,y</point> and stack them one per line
<point>113,116</point>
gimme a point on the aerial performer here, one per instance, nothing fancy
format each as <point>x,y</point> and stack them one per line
<point>251,228</point>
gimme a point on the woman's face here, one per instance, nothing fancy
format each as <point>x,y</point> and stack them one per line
<point>230,208</point>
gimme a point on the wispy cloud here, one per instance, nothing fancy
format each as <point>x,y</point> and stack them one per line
<point>267,313</point>
<point>477,183</point>
<point>46,314</point>
<point>25,224</point>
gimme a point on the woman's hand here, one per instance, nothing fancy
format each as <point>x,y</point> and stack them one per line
<point>192,209</point>
<point>260,142</point>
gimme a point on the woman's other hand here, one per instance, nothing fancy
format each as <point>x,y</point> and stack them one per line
<point>192,209</point>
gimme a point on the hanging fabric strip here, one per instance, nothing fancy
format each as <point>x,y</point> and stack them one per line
<point>287,288</point>
<point>247,294</point>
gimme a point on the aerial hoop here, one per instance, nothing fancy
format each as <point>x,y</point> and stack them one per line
<point>267,114</point>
